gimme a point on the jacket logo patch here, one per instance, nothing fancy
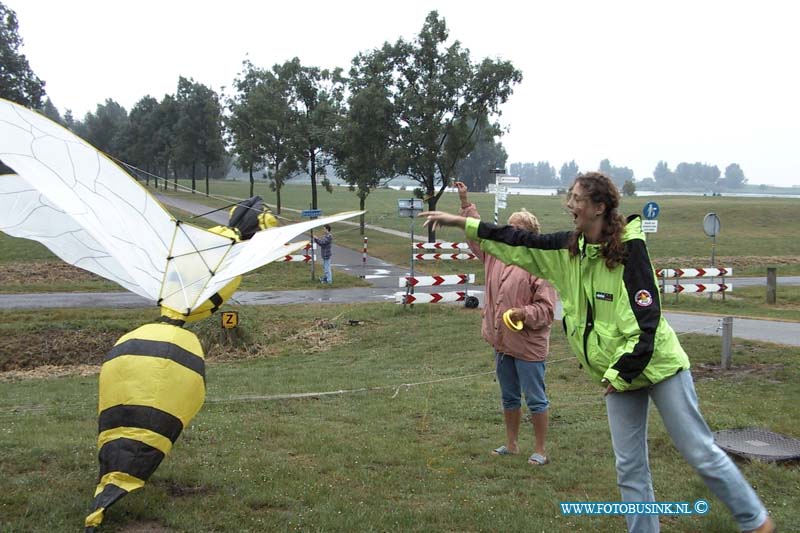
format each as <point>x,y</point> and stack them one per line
<point>643,298</point>
<point>608,297</point>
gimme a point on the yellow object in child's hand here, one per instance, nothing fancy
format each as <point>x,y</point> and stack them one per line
<point>512,325</point>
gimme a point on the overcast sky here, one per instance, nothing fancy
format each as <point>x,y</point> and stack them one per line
<point>632,81</point>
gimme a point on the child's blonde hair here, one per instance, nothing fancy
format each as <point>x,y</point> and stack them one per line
<point>524,219</point>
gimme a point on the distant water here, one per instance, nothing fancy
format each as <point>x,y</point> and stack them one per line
<point>529,191</point>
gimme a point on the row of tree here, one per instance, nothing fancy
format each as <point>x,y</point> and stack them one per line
<point>420,108</point>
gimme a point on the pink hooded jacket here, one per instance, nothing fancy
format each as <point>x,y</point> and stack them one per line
<point>509,286</point>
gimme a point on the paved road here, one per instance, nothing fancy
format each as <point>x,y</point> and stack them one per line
<point>383,288</point>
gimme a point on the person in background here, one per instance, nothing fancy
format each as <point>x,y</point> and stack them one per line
<point>325,243</point>
<point>519,355</point>
<point>614,324</point>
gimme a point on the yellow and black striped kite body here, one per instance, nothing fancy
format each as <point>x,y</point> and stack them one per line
<point>152,384</point>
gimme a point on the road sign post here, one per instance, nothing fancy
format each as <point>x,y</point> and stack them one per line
<point>650,212</point>
<point>312,213</point>
<point>711,226</point>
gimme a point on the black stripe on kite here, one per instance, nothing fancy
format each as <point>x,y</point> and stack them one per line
<point>161,349</point>
<point>217,300</point>
<point>129,456</point>
<point>140,416</point>
<point>110,494</point>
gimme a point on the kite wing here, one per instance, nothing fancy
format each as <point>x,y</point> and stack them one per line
<point>92,214</point>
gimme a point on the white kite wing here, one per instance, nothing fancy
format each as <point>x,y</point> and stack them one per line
<point>92,214</point>
<point>26,213</point>
<point>264,247</point>
<point>116,228</point>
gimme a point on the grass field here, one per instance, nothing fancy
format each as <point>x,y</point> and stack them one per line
<point>376,417</point>
<point>750,227</point>
<point>400,443</point>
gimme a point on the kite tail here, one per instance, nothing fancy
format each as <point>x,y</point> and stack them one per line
<point>152,383</point>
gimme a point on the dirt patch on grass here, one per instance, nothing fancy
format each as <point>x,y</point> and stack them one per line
<point>23,351</point>
<point>43,272</point>
<point>740,261</point>
<point>144,527</point>
<point>763,371</point>
<point>60,352</point>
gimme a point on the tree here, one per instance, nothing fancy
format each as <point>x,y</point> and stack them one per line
<point>664,177</point>
<point>440,95</point>
<point>199,127</point>
<point>105,128</point>
<point>488,153</point>
<point>619,175</point>
<point>18,83</point>
<point>269,125</point>
<point>247,149</point>
<point>141,149</point>
<point>696,175</point>
<point>568,172</point>
<point>629,188</point>
<point>734,177</point>
<point>316,99</point>
<point>362,146</point>
<point>166,120</point>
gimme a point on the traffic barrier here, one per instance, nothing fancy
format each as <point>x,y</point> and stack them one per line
<point>710,272</point>
<point>298,258</point>
<point>429,297</point>
<point>410,282</point>
<point>433,281</point>
<point>699,287</point>
<point>444,257</point>
<point>441,245</point>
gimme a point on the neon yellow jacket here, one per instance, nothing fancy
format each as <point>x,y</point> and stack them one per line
<point>612,318</point>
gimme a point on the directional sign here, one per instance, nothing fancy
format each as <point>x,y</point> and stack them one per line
<point>650,210</point>
<point>649,226</point>
<point>509,179</point>
<point>311,213</point>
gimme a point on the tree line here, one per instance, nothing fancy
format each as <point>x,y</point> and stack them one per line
<point>420,108</point>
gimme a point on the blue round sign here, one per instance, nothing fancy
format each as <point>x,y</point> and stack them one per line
<point>650,210</point>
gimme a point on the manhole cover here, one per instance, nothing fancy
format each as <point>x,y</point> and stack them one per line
<point>758,443</point>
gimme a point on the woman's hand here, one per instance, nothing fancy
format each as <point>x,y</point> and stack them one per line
<point>517,314</point>
<point>436,219</point>
<point>462,194</point>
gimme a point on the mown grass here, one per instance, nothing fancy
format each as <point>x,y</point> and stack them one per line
<point>749,226</point>
<point>402,445</point>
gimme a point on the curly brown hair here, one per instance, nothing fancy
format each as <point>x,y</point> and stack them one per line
<point>601,190</point>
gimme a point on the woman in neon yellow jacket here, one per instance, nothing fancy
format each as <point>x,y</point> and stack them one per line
<point>613,321</point>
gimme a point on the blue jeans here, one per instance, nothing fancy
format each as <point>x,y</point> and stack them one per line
<point>514,376</point>
<point>676,401</point>
<point>326,269</point>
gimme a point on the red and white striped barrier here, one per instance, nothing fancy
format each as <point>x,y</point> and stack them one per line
<point>296,258</point>
<point>364,253</point>
<point>433,281</point>
<point>429,297</point>
<point>698,287</point>
<point>441,246</point>
<point>710,272</point>
<point>444,257</point>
